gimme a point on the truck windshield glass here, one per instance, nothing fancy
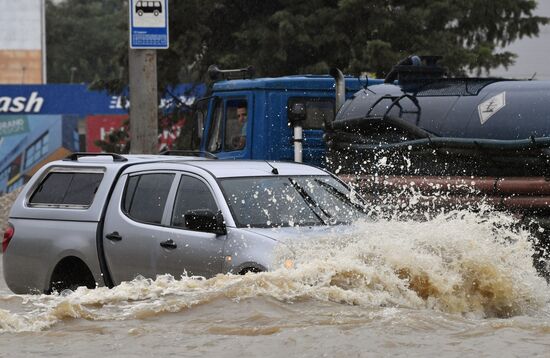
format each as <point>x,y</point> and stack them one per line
<point>290,201</point>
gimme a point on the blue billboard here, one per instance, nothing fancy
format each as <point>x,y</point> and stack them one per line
<point>79,100</point>
<point>40,123</point>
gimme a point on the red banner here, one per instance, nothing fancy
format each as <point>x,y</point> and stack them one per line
<point>98,128</point>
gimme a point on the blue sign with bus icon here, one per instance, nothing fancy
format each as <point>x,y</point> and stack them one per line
<point>149,24</point>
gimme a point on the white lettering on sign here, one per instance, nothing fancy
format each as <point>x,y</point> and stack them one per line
<point>491,106</point>
<point>32,104</point>
<point>116,102</point>
<point>167,102</point>
<point>103,132</point>
<point>13,126</point>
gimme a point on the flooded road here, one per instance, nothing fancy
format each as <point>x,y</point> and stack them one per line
<point>454,285</point>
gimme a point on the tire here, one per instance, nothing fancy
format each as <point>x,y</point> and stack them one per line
<point>69,274</point>
<point>140,12</point>
<point>156,13</point>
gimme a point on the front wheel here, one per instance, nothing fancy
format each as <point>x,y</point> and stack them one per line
<point>156,13</point>
<point>140,13</point>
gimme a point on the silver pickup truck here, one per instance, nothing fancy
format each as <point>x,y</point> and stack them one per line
<point>95,220</point>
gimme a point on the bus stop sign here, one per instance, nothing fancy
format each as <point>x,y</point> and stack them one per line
<point>148,24</point>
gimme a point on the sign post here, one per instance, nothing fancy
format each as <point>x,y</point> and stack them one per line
<point>148,32</point>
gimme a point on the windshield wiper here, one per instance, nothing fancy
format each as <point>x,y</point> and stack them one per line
<point>340,195</point>
<point>310,202</point>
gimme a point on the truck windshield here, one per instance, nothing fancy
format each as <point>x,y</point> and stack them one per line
<point>290,201</point>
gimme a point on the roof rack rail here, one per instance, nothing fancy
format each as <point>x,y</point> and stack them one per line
<point>190,153</point>
<point>76,155</point>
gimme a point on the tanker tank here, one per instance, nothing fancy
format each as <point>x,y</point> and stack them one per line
<point>444,126</point>
<point>454,140</point>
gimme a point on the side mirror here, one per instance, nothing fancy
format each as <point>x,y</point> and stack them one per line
<point>205,220</point>
<point>296,112</point>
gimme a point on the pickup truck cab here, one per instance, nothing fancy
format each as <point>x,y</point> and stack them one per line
<point>100,219</point>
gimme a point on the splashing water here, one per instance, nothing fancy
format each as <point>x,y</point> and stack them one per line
<point>457,263</point>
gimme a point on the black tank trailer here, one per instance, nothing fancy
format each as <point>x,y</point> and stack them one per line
<point>449,140</point>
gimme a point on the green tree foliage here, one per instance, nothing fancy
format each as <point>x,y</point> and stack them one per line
<point>288,37</point>
<point>84,38</point>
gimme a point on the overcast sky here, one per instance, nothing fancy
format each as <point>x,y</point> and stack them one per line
<point>533,53</point>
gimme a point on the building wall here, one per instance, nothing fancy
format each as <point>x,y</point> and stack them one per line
<point>21,41</point>
<point>20,66</point>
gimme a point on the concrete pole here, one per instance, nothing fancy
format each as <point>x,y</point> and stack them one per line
<point>143,101</point>
<point>43,40</point>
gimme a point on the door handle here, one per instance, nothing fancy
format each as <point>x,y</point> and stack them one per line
<point>169,244</point>
<point>114,236</point>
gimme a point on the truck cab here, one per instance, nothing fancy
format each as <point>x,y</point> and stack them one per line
<point>271,106</point>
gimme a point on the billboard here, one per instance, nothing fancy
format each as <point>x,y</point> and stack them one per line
<point>98,128</point>
<point>40,123</point>
<point>57,99</point>
<point>78,99</point>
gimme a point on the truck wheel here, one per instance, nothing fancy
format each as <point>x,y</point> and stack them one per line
<point>71,273</point>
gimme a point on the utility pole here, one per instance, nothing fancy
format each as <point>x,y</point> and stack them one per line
<point>43,41</point>
<point>148,32</point>
<point>143,101</point>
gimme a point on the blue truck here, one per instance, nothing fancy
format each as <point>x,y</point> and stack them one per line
<point>274,106</point>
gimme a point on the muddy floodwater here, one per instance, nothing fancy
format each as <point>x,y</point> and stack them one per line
<point>459,284</point>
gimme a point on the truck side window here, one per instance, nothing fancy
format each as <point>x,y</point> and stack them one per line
<point>145,196</point>
<point>215,133</point>
<point>318,111</point>
<point>63,188</point>
<point>236,113</point>
<point>192,194</point>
